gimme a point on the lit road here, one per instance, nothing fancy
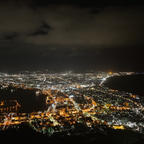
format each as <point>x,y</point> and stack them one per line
<point>69,100</point>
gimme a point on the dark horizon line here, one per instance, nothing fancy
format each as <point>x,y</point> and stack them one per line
<point>80,2</point>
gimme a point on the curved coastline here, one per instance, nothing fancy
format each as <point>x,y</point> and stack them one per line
<point>132,83</point>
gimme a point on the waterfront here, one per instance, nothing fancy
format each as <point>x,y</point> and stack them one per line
<point>130,83</point>
<point>69,105</point>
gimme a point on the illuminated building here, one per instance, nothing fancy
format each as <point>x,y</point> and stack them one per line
<point>69,100</point>
<point>8,106</point>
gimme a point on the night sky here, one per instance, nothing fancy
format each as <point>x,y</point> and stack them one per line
<point>75,35</point>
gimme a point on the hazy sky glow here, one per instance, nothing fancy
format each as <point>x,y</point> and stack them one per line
<point>72,25</point>
<point>53,34</point>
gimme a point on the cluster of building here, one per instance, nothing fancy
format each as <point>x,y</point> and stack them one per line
<point>74,99</point>
<point>7,106</point>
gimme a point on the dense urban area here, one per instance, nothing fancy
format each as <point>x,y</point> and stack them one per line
<point>62,102</point>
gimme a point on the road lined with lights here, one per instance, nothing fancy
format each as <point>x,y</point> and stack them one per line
<point>71,100</point>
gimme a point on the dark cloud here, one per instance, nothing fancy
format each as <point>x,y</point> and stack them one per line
<point>71,36</point>
<point>42,30</point>
<point>74,26</point>
<point>9,36</point>
<point>96,10</point>
<point>39,32</point>
<point>71,25</point>
<point>86,3</point>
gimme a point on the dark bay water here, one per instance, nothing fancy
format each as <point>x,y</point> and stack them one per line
<point>130,83</point>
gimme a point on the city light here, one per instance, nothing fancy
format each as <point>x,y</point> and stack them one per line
<point>70,99</point>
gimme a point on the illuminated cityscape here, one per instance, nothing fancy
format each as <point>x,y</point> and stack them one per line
<point>62,102</point>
